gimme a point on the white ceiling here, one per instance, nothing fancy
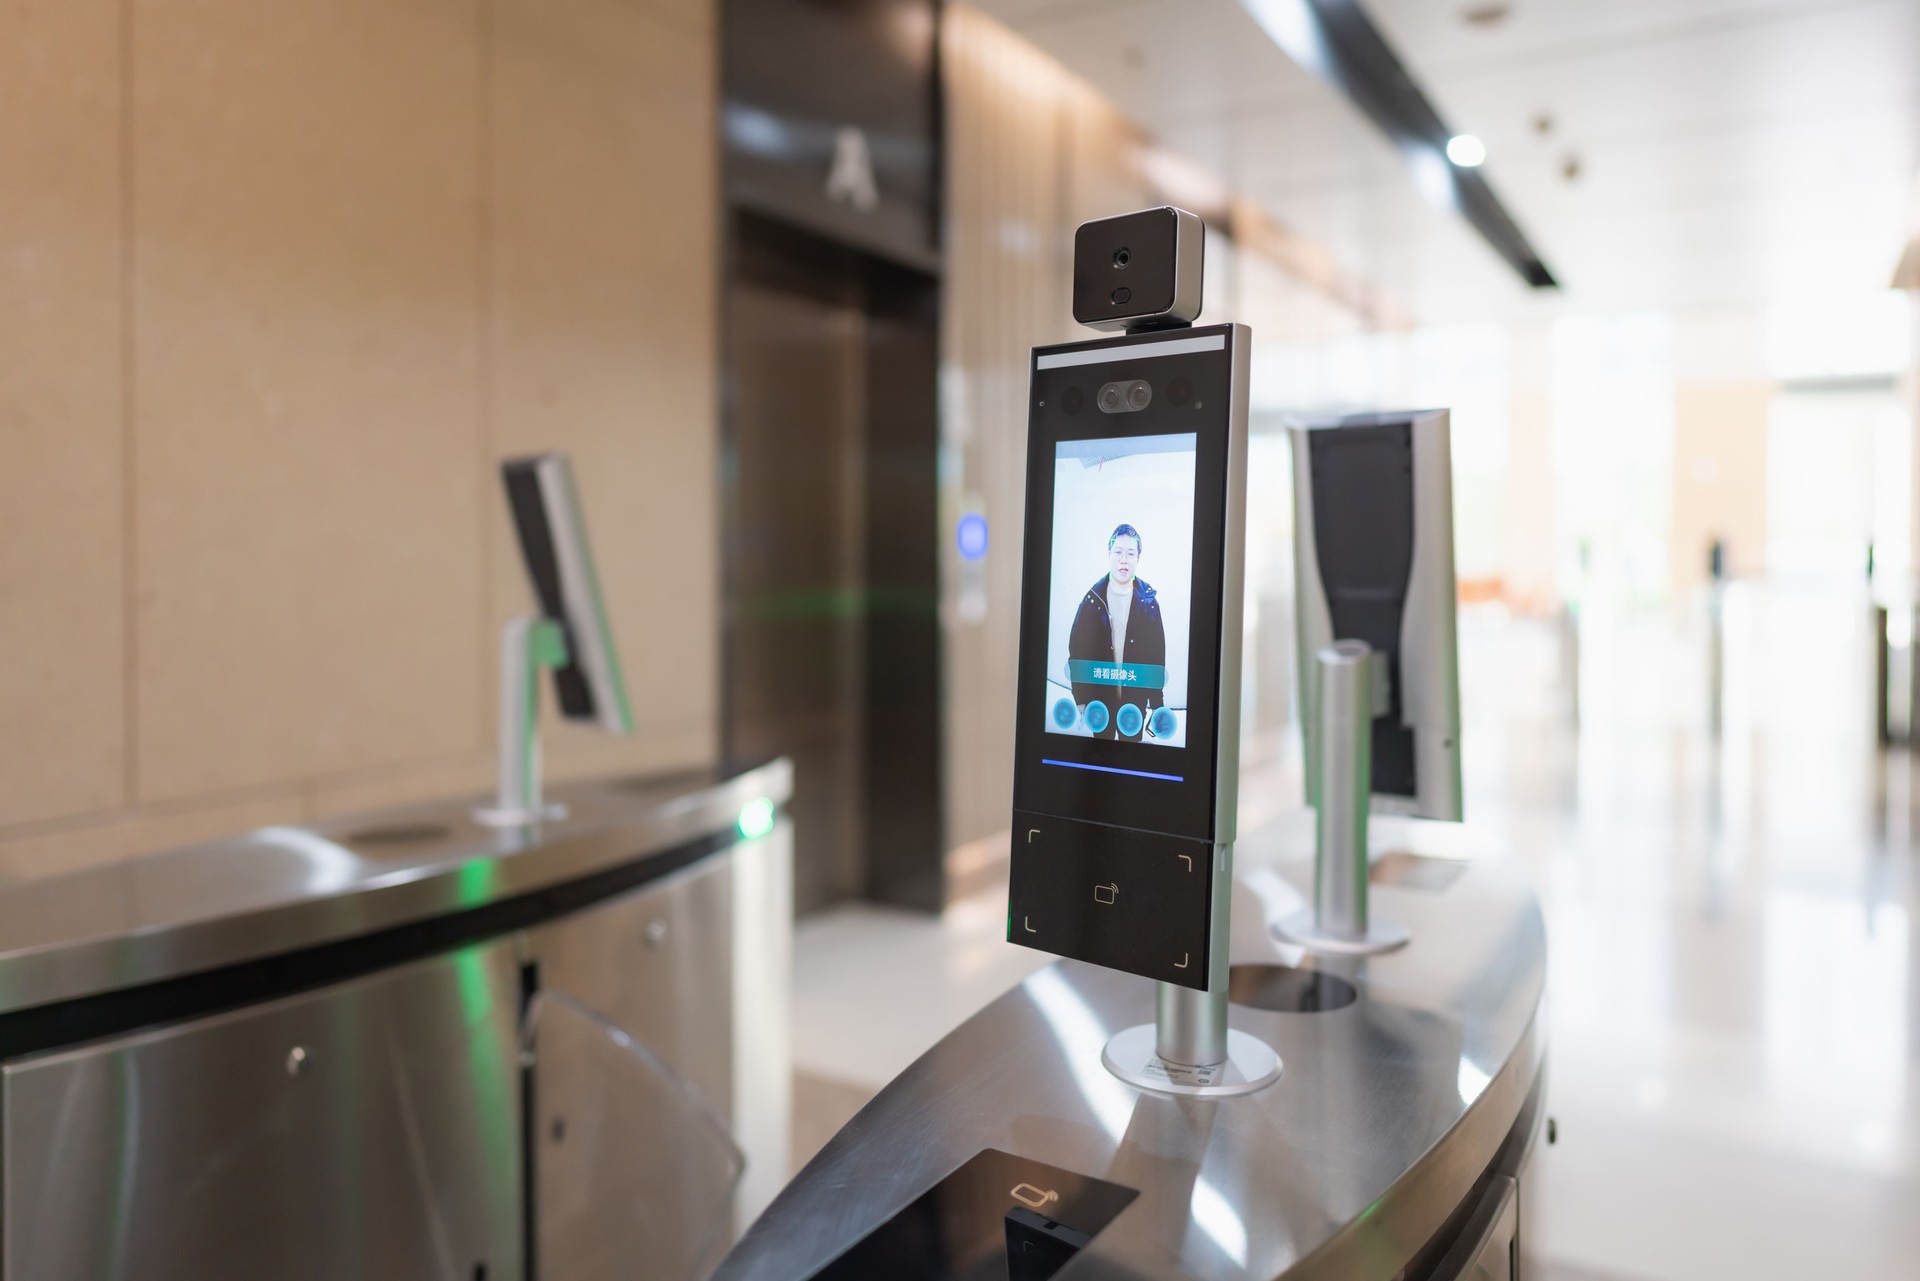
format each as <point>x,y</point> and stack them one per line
<point>1728,150</point>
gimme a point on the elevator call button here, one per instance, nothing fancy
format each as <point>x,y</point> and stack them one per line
<point>1129,900</point>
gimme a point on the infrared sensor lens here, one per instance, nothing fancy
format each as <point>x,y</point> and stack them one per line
<point>1122,296</point>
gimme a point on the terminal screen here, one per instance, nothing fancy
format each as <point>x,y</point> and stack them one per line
<point>1121,589</point>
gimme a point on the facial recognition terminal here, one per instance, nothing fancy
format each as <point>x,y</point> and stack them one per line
<point>1127,740</point>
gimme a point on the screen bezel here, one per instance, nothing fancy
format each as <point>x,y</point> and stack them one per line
<point>1186,807</point>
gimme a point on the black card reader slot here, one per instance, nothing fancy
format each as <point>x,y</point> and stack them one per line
<point>999,1217</point>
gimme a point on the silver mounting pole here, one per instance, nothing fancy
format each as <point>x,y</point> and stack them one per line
<point>1188,1048</point>
<point>1190,1028</point>
<point>528,646</point>
<point>1339,922</point>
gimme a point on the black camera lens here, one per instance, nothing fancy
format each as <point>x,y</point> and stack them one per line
<point>1110,398</point>
<point>1139,396</point>
<point>1072,399</point>
<point>1179,391</point>
<point>1122,296</point>
<point>1122,256</point>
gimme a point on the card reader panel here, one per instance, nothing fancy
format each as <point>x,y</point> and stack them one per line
<point>1129,900</point>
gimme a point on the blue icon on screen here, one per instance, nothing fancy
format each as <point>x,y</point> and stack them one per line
<point>1096,716</point>
<point>1063,714</point>
<point>1129,720</point>
<point>1164,723</point>
<point>972,536</point>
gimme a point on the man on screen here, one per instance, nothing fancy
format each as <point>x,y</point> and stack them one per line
<point>1117,630</point>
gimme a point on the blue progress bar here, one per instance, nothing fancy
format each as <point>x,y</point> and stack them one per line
<point>1109,769</point>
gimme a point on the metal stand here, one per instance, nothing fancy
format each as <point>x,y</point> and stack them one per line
<point>1570,659</point>
<point>1717,662</point>
<point>1339,922</point>
<point>1189,1049</point>
<point>528,646</point>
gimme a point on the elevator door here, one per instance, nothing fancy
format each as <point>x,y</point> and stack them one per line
<point>794,683</point>
<point>832,628</point>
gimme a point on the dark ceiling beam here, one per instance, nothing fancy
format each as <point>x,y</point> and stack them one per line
<point>1336,40</point>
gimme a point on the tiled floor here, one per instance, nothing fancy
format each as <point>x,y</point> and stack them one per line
<point>1735,978</point>
<point>1734,994</point>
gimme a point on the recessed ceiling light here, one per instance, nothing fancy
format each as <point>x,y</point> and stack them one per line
<point>1466,151</point>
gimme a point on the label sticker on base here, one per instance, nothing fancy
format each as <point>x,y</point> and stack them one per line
<point>1158,1069</point>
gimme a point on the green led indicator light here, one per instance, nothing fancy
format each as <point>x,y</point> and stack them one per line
<point>756,818</point>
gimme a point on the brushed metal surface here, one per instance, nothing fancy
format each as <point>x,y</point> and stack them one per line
<point>1489,1246</point>
<point>657,962</point>
<point>627,1164</point>
<point>635,1171</point>
<point>763,1017</point>
<point>1341,922</point>
<point>1346,787</point>
<point>1388,1113</point>
<point>281,889</point>
<point>388,1147</point>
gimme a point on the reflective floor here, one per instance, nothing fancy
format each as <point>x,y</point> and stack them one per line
<point>1734,993</point>
<point>1734,1042</point>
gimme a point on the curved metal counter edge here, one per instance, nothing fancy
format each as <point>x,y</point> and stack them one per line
<point>278,891</point>
<point>1360,1162</point>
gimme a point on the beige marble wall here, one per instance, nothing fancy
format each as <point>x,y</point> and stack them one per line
<point>63,582</point>
<point>278,285</point>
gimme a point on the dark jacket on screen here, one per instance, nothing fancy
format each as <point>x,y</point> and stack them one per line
<point>1092,639</point>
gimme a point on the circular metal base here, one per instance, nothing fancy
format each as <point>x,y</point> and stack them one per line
<point>1302,929</point>
<point>494,816</point>
<point>1251,1065</point>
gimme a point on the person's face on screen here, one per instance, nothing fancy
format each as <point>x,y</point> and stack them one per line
<point>1123,559</point>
